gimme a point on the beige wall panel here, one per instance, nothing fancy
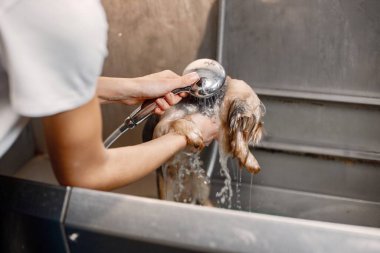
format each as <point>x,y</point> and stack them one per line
<point>147,36</point>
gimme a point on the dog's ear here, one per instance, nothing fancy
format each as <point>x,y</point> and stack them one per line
<point>245,127</point>
<point>258,133</point>
<point>241,119</point>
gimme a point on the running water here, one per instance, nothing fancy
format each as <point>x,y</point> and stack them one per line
<point>250,194</point>
<point>236,176</point>
<point>190,184</point>
<point>185,179</point>
<point>235,172</point>
<point>225,194</point>
<point>238,189</point>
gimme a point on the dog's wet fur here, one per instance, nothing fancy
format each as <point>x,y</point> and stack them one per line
<point>240,113</point>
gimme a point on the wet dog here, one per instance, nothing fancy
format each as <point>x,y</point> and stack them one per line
<point>240,113</point>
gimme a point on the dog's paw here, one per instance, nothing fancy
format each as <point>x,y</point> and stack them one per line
<point>188,129</point>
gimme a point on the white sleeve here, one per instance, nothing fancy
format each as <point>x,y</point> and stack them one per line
<point>54,53</point>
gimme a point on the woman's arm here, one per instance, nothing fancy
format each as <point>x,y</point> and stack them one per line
<point>132,91</point>
<point>79,158</point>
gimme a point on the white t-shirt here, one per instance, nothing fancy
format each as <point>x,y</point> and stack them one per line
<point>51,53</point>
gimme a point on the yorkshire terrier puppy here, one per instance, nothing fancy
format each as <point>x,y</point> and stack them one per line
<point>240,113</point>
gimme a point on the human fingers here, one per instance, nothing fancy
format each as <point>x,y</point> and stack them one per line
<point>158,111</point>
<point>183,94</point>
<point>172,99</point>
<point>183,81</point>
<point>165,103</point>
<point>152,86</point>
<point>162,104</point>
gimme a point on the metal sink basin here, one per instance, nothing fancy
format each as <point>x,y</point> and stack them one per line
<point>94,216</point>
<point>304,205</point>
<point>271,219</point>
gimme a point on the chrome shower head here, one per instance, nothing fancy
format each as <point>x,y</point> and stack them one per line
<point>212,78</point>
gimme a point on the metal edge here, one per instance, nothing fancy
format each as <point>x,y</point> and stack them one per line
<point>63,217</point>
<point>219,58</point>
<point>315,150</point>
<point>260,220</point>
<point>317,96</point>
<point>221,22</point>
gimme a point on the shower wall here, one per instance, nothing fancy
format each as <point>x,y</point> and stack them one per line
<point>316,66</point>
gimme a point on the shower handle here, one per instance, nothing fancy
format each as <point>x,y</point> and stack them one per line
<point>145,110</point>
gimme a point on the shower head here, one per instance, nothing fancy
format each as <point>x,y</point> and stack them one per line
<point>212,78</point>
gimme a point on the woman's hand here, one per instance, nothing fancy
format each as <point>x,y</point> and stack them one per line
<point>132,91</point>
